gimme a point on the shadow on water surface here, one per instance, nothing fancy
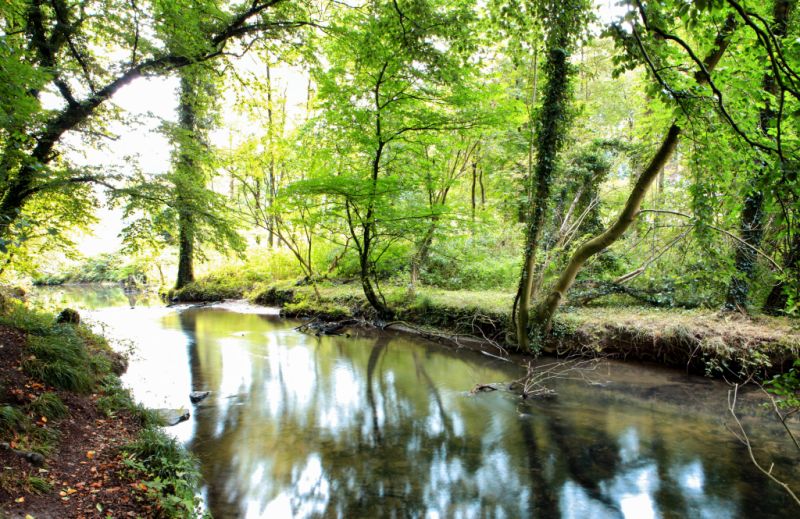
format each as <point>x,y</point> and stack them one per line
<point>384,426</point>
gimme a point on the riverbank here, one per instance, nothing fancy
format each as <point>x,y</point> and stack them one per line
<point>72,441</point>
<point>697,341</point>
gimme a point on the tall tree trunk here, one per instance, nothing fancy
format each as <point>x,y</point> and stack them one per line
<point>367,237</point>
<point>547,308</point>
<point>271,222</point>
<point>751,226</point>
<point>368,233</point>
<point>186,175</point>
<point>550,137</point>
<point>185,249</point>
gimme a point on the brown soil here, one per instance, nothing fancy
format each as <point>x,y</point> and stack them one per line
<point>86,470</point>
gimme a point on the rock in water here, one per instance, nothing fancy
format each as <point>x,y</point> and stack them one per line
<point>172,417</point>
<point>197,396</point>
<point>69,316</point>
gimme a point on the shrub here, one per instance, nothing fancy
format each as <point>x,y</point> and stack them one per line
<point>172,472</point>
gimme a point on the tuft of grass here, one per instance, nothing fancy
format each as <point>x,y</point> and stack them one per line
<point>43,440</point>
<point>114,398</point>
<point>39,485</point>
<point>12,420</point>
<point>60,361</point>
<point>16,315</point>
<point>48,405</point>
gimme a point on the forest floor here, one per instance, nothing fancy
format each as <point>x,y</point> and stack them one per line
<point>700,341</point>
<point>63,452</point>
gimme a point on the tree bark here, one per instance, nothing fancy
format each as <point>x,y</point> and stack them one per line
<point>547,308</point>
<point>549,140</point>
<point>185,249</point>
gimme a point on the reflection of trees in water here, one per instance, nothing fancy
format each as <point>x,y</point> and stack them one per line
<point>215,461</point>
<point>407,446</point>
<point>587,459</point>
<point>88,296</point>
<point>374,356</point>
<point>543,496</point>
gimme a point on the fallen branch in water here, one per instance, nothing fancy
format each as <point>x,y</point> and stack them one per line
<point>318,327</point>
<point>741,435</point>
<point>534,383</point>
<point>456,338</point>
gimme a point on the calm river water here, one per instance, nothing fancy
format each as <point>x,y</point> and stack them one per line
<point>384,425</point>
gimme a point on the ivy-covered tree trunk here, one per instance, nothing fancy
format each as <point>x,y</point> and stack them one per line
<point>751,232</point>
<point>553,126</point>
<point>751,227</point>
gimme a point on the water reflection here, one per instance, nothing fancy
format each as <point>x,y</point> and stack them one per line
<point>366,426</point>
<point>90,297</point>
<point>301,426</point>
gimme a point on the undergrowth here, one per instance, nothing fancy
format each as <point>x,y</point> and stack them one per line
<point>71,358</point>
<point>171,472</point>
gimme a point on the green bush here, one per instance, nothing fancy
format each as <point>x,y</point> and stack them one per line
<point>171,471</point>
<point>237,280</point>
<point>459,266</point>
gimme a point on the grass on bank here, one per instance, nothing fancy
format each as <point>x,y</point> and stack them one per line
<point>71,359</point>
<point>700,340</point>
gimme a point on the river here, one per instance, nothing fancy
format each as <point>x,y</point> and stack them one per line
<point>384,424</point>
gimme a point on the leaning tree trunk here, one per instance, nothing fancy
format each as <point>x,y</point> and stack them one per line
<point>550,137</point>
<point>547,308</point>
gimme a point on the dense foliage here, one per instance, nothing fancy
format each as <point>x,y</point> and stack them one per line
<point>547,147</point>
